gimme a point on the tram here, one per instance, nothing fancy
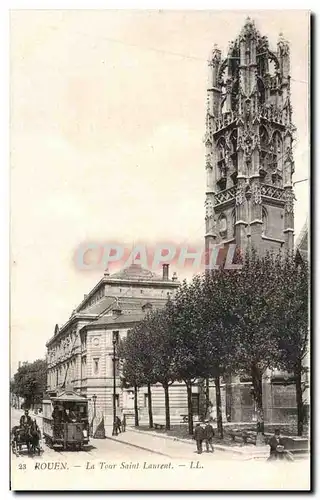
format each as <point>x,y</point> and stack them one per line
<point>65,421</point>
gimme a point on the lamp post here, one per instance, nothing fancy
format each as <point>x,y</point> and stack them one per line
<point>114,342</point>
<point>91,431</point>
<point>94,399</point>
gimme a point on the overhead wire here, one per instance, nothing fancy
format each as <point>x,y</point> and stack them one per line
<point>161,51</point>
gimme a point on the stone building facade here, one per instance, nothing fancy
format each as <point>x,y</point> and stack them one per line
<point>80,353</point>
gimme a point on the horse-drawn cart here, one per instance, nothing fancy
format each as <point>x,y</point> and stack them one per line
<point>26,436</point>
<point>65,421</point>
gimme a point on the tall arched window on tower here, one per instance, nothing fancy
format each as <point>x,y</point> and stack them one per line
<point>264,140</point>
<point>233,222</point>
<point>264,221</point>
<point>235,95</point>
<point>277,158</point>
<point>261,92</point>
<point>234,155</point>
<point>222,173</point>
<point>223,226</point>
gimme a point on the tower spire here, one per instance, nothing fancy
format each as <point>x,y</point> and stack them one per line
<point>248,160</point>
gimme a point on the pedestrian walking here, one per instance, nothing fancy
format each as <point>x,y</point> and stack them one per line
<point>208,436</point>
<point>118,424</point>
<point>199,437</point>
<point>124,423</point>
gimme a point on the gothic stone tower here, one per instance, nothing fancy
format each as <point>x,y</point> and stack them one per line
<point>249,134</point>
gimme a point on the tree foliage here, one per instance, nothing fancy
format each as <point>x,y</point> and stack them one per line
<point>224,322</point>
<point>30,382</point>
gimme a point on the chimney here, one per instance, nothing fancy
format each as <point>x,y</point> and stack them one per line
<point>165,272</point>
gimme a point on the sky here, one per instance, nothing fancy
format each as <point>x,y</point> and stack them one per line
<point>107,124</point>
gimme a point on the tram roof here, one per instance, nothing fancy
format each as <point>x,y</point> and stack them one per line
<point>70,396</point>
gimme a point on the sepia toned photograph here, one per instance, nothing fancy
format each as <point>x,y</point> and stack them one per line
<point>160,253</point>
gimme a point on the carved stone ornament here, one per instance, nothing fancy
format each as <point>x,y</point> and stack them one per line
<point>257,195</point>
<point>288,155</point>
<point>209,209</point>
<point>256,142</point>
<point>207,139</point>
<point>249,30</point>
<point>248,145</point>
<point>215,56</point>
<point>208,161</point>
<point>239,196</point>
<point>283,46</point>
<point>289,201</point>
<point>240,143</point>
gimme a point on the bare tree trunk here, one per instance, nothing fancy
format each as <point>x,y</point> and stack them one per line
<point>299,399</point>
<point>257,393</point>
<point>190,412</point>
<point>167,404</point>
<point>207,398</point>
<point>136,410</point>
<point>218,404</point>
<point>150,407</point>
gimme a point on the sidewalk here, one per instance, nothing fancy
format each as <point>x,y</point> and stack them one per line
<point>183,448</point>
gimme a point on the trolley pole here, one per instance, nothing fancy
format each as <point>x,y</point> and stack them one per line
<point>94,397</point>
<point>114,429</point>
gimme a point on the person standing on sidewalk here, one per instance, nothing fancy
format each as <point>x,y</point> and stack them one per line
<point>124,423</point>
<point>209,435</point>
<point>199,437</point>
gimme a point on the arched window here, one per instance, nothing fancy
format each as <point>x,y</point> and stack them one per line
<point>234,155</point>
<point>264,140</point>
<point>277,151</point>
<point>221,146</point>
<point>233,221</point>
<point>222,225</point>
<point>235,95</point>
<point>233,140</point>
<point>261,92</point>
<point>221,151</point>
<point>264,221</point>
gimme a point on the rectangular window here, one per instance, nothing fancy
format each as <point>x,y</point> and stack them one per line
<point>116,337</point>
<point>145,400</point>
<point>195,404</point>
<point>95,366</point>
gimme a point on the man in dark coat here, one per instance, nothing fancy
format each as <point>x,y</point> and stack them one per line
<point>208,435</point>
<point>276,444</point>
<point>25,420</point>
<point>124,423</point>
<point>199,437</point>
<point>118,424</point>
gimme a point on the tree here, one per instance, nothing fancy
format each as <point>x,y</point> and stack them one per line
<point>30,382</point>
<point>137,351</point>
<point>217,321</point>
<point>161,343</point>
<point>291,306</point>
<point>132,373</point>
<point>255,287</point>
<point>184,323</point>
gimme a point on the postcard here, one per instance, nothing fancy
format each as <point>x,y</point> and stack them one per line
<point>160,335</point>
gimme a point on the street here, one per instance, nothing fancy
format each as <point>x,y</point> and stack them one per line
<point>98,448</point>
<point>148,463</point>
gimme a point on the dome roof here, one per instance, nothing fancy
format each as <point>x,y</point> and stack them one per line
<point>136,273</point>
